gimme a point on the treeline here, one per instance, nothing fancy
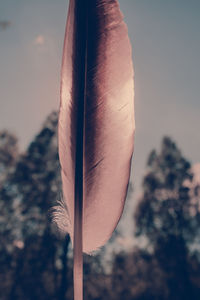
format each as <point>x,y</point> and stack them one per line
<point>36,261</point>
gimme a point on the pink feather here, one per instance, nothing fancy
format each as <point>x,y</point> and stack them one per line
<point>96,123</point>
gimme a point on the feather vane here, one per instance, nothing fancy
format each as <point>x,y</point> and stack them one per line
<point>96,126</point>
<point>96,119</point>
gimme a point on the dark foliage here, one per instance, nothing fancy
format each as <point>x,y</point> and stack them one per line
<point>36,260</point>
<point>33,257</point>
<point>169,218</point>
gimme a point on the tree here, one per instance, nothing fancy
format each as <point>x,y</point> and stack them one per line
<point>32,254</point>
<point>137,275</point>
<point>8,154</point>
<point>35,260</point>
<point>8,157</point>
<point>169,220</point>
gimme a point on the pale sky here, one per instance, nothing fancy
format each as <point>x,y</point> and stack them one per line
<point>166,53</point>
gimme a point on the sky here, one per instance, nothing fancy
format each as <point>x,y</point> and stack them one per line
<point>166,54</point>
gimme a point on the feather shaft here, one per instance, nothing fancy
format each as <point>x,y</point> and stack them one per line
<point>80,49</point>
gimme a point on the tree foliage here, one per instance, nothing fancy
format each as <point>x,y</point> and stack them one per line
<point>169,219</point>
<point>36,262</point>
<point>32,255</point>
<point>35,259</point>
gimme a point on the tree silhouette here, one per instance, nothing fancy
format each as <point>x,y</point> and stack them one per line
<point>8,158</point>
<point>167,217</point>
<point>36,261</point>
<point>137,275</point>
<point>33,255</point>
<point>8,154</point>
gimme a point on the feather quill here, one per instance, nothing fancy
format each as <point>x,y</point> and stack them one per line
<point>96,125</point>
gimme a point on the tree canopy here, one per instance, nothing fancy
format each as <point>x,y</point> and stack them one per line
<point>36,261</point>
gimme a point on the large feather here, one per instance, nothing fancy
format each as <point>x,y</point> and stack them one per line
<point>96,121</point>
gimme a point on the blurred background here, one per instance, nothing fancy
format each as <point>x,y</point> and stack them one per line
<point>154,254</point>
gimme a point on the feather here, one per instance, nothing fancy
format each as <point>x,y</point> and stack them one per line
<point>96,123</point>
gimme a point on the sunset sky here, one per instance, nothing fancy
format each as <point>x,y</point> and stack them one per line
<point>166,52</point>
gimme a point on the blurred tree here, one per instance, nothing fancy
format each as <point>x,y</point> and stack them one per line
<point>168,218</point>
<point>165,208</point>
<point>137,275</point>
<point>32,254</point>
<point>96,282</point>
<point>8,154</point>
<point>36,263</point>
<point>8,158</point>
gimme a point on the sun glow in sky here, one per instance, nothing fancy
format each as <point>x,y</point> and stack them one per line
<point>166,52</point>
